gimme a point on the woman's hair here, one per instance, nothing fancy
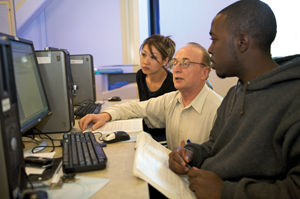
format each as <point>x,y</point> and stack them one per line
<point>165,46</point>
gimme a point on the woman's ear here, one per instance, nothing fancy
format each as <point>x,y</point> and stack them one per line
<point>165,61</point>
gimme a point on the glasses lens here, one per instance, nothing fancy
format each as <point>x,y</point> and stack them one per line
<point>173,62</point>
<point>185,63</point>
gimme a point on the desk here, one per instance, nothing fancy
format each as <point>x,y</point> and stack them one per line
<point>118,170</point>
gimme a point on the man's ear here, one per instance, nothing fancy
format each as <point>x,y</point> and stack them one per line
<point>243,42</point>
<point>205,72</point>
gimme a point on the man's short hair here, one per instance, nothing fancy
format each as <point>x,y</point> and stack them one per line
<point>206,56</point>
<point>254,18</point>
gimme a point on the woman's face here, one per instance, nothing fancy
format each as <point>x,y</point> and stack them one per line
<point>148,63</point>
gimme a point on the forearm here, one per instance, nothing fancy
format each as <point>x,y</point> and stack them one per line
<point>152,109</point>
<point>127,110</point>
<point>251,188</point>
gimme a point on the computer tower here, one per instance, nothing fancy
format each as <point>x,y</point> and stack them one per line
<point>12,165</point>
<point>83,74</point>
<point>56,75</point>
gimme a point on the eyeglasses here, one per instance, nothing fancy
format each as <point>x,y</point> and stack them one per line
<point>184,63</point>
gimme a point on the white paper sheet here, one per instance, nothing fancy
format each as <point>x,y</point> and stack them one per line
<point>151,164</point>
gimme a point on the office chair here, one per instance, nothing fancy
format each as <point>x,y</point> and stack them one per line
<point>283,60</point>
<point>209,85</point>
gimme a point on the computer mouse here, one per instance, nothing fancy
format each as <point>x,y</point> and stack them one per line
<point>116,137</point>
<point>35,194</point>
<point>114,99</point>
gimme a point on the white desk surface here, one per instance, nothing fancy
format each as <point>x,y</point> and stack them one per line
<point>118,169</point>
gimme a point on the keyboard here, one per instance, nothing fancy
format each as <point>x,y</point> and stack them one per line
<point>87,108</point>
<point>81,152</point>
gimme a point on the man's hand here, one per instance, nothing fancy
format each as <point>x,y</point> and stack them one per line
<point>178,159</point>
<point>98,119</point>
<point>205,184</point>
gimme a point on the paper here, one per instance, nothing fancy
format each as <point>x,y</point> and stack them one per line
<point>58,173</point>
<point>37,170</point>
<point>151,164</point>
<point>129,126</point>
<point>83,188</point>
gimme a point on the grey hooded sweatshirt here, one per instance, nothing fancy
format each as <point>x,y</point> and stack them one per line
<point>254,145</point>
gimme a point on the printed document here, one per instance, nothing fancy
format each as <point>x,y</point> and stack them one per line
<point>151,164</point>
<point>129,126</point>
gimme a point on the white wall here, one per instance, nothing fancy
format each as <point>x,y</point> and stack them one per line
<point>287,41</point>
<point>82,27</point>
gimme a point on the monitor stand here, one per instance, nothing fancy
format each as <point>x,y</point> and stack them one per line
<point>39,144</point>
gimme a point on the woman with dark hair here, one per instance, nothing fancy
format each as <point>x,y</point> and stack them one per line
<point>154,78</point>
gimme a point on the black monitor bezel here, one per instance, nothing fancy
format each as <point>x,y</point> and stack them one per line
<point>37,120</point>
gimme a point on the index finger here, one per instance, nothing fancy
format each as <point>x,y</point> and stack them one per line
<point>83,122</point>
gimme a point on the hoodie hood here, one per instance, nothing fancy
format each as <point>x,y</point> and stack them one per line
<point>290,71</point>
<point>287,72</point>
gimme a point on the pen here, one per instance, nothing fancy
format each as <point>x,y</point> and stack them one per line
<point>189,166</point>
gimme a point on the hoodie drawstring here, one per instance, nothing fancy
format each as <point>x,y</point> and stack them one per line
<point>234,97</point>
<point>244,95</point>
<point>242,108</point>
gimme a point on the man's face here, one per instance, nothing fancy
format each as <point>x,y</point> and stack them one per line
<point>222,49</point>
<point>191,79</point>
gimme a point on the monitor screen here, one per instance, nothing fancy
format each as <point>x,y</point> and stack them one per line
<point>32,102</point>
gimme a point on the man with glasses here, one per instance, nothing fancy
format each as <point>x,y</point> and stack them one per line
<point>187,114</point>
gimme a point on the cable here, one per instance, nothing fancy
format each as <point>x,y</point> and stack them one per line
<point>99,138</point>
<point>31,185</point>
<point>48,137</point>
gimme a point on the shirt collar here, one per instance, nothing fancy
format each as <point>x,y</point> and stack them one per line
<point>199,101</point>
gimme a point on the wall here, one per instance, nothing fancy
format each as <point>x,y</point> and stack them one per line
<point>82,27</point>
<point>94,27</point>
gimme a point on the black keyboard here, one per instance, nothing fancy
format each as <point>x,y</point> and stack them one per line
<point>87,108</point>
<point>81,152</point>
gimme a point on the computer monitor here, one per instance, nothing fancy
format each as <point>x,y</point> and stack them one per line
<point>12,172</point>
<point>31,96</point>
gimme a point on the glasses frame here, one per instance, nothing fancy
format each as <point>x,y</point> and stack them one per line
<point>181,63</point>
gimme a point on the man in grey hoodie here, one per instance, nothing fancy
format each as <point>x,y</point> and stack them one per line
<point>254,146</point>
